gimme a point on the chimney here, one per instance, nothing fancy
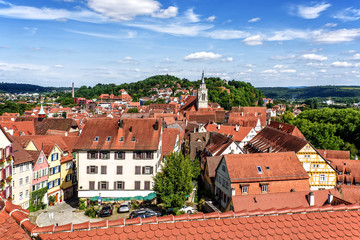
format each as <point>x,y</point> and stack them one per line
<point>237,128</point>
<point>311,199</point>
<point>218,126</point>
<point>66,134</point>
<point>255,114</point>
<point>156,125</point>
<point>330,198</point>
<point>73,90</point>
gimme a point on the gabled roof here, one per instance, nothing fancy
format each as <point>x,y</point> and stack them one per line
<point>20,128</point>
<point>218,144</point>
<point>275,167</point>
<point>212,163</point>
<point>190,102</point>
<point>169,140</point>
<point>19,154</point>
<point>138,134</point>
<point>45,143</point>
<point>334,154</point>
<point>350,170</point>
<point>273,140</point>
<point>283,200</point>
<point>287,128</point>
<point>237,136</point>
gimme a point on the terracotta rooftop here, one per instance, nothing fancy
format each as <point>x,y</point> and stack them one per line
<point>169,140</point>
<point>348,170</point>
<point>274,166</point>
<point>213,163</point>
<point>339,222</point>
<point>19,154</point>
<point>237,136</point>
<point>43,142</point>
<point>218,143</point>
<point>20,128</point>
<point>272,140</point>
<point>335,154</point>
<point>287,128</point>
<point>106,133</point>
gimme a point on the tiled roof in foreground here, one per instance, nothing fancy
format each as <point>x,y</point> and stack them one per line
<point>338,222</point>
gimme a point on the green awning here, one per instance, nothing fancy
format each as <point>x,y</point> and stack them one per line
<point>148,197</point>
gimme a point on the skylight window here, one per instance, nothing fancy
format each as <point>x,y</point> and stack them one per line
<point>133,139</point>
<point>96,138</point>
<point>108,139</point>
<point>259,169</point>
<point>121,139</point>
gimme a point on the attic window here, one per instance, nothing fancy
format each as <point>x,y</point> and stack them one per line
<point>108,139</point>
<point>259,169</point>
<point>121,139</point>
<point>267,168</point>
<point>133,139</point>
<point>96,138</point>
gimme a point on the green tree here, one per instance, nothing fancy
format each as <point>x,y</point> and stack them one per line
<point>287,117</point>
<point>174,182</point>
<point>133,110</point>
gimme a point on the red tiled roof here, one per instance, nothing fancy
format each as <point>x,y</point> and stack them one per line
<point>169,140</point>
<point>20,128</point>
<point>350,169</point>
<point>287,128</point>
<point>237,136</point>
<point>275,167</point>
<point>141,130</point>
<point>44,142</point>
<point>218,144</point>
<point>190,102</point>
<point>213,163</point>
<point>339,222</point>
<point>273,140</point>
<point>335,154</point>
<point>19,154</point>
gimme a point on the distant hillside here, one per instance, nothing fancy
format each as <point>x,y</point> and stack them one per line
<point>241,93</point>
<point>311,92</point>
<point>21,88</point>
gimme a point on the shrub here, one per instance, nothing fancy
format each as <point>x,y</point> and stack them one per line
<point>82,205</point>
<point>91,212</point>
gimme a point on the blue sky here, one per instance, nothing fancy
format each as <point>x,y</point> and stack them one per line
<point>264,42</point>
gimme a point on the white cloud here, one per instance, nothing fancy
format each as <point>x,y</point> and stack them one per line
<point>254,19</point>
<point>191,16</point>
<point>128,60</point>
<point>25,12</point>
<point>342,64</point>
<point>253,40</point>
<point>12,67</point>
<point>279,66</point>
<point>227,34</point>
<point>356,56</point>
<point>31,30</point>
<point>166,13</point>
<point>101,35</point>
<point>167,60</point>
<point>288,71</point>
<point>309,12</point>
<point>323,71</point>
<point>331,25</point>
<point>269,71</point>
<point>58,66</point>
<point>315,57</point>
<point>202,56</point>
<point>317,64</point>
<point>285,57</point>
<point>348,14</point>
<point>250,65</point>
<point>288,34</point>
<point>336,36</point>
<point>227,59</point>
<point>177,28</point>
<point>211,18</point>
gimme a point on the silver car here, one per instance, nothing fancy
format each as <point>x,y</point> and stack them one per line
<point>124,207</point>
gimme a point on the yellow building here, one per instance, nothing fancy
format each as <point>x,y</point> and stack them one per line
<point>322,174</point>
<point>66,176</point>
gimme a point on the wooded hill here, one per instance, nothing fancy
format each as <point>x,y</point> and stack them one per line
<point>310,92</point>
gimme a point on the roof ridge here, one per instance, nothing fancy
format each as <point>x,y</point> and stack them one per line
<point>105,224</point>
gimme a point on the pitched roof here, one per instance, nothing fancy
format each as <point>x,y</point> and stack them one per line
<point>274,166</point>
<point>19,154</point>
<point>349,168</point>
<point>335,154</point>
<point>243,121</point>
<point>287,128</point>
<point>283,200</point>
<point>138,134</point>
<point>218,143</point>
<point>273,140</point>
<point>212,163</point>
<point>301,223</point>
<point>237,136</point>
<point>190,102</point>
<point>43,142</point>
<point>26,127</point>
<point>169,140</point>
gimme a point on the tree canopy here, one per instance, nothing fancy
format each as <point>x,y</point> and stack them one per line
<point>174,182</point>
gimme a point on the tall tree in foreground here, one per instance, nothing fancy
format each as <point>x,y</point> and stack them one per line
<point>174,182</point>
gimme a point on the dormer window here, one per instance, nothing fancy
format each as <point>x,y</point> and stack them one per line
<point>121,139</point>
<point>259,169</point>
<point>108,139</point>
<point>96,139</point>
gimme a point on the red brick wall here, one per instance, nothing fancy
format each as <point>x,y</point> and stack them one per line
<point>275,186</point>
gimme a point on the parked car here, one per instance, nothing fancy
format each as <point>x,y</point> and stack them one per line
<point>187,209</point>
<point>144,213</point>
<point>124,207</point>
<point>105,211</point>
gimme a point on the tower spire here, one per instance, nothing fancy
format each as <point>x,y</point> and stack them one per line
<point>202,78</point>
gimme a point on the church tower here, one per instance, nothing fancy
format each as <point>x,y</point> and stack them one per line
<point>202,94</point>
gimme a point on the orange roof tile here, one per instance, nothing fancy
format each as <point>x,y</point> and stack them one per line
<point>275,167</point>
<point>335,154</point>
<point>169,140</point>
<point>237,136</point>
<point>287,128</point>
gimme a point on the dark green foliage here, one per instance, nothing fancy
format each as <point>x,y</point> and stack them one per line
<point>13,107</point>
<point>36,199</point>
<point>51,199</point>
<point>21,88</point>
<point>337,129</point>
<point>91,212</point>
<point>133,110</point>
<point>312,92</point>
<point>174,182</point>
<point>82,205</point>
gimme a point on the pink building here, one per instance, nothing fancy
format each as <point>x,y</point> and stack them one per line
<point>5,163</point>
<point>40,170</point>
